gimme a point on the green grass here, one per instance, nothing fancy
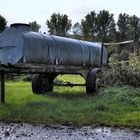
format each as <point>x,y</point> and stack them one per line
<point>114,106</point>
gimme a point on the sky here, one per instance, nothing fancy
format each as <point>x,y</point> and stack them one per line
<point>25,11</point>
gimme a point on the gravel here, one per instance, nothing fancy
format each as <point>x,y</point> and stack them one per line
<point>24,131</point>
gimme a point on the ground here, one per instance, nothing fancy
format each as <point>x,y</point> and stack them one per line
<point>22,131</point>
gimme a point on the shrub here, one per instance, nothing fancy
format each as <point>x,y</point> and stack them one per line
<point>124,55</point>
<point>122,73</point>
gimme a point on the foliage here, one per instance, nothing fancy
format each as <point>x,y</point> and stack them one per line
<point>34,26</point>
<point>135,27</point>
<point>124,55</point>
<point>128,27</point>
<point>59,24</point>
<point>89,25</point>
<point>123,26</point>
<point>105,24</point>
<point>114,106</point>
<point>77,30</point>
<point>3,23</point>
<point>122,72</point>
<point>98,26</point>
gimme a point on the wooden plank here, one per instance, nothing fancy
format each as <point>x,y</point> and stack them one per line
<point>40,68</point>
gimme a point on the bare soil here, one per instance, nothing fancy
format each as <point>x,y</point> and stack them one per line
<point>23,131</point>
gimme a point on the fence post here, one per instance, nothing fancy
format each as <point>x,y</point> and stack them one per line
<point>2,86</point>
<point>102,49</point>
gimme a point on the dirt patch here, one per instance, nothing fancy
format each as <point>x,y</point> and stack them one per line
<point>23,131</point>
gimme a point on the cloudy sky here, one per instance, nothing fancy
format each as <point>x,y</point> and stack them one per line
<point>40,10</point>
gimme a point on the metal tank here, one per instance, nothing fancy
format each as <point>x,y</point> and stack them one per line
<point>18,44</point>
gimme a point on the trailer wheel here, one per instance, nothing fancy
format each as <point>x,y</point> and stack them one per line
<point>41,84</point>
<point>91,82</point>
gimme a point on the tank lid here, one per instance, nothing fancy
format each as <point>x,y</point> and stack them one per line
<point>11,46</point>
<point>22,27</point>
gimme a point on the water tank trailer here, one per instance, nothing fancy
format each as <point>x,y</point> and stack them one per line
<point>47,56</point>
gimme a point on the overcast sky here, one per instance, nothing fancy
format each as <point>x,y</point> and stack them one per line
<point>40,10</point>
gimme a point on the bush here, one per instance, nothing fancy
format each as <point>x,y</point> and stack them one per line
<point>122,73</point>
<point>124,55</point>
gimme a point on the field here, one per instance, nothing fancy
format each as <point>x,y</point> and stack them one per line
<point>114,106</point>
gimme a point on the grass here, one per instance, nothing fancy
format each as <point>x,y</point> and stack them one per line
<point>114,106</point>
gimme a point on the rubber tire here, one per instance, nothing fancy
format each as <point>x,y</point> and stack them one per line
<point>91,84</point>
<point>37,86</point>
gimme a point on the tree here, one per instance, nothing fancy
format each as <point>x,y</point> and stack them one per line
<point>34,26</point>
<point>89,25</point>
<point>59,24</point>
<point>3,23</point>
<point>135,29</point>
<point>123,27</point>
<point>85,29</point>
<point>105,25</point>
<point>77,30</point>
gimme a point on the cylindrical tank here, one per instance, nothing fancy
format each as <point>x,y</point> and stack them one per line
<point>19,44</point>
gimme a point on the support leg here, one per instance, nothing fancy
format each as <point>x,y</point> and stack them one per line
<point>2,94</point>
